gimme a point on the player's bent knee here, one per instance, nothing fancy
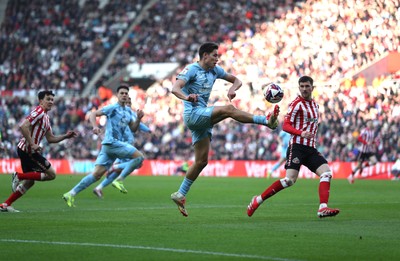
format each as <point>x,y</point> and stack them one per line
<point>325,177</point>
<point>228,110</point>
<point>287,182</point>
<point>201,163</point>
<point>141,159</point>
<point>50,176</point>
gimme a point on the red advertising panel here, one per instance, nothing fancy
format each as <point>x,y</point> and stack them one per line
<point>215,168</point>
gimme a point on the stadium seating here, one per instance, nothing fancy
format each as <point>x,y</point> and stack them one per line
<point>260,41</point>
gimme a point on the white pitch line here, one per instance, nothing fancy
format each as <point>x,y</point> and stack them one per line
<point>149,248</point>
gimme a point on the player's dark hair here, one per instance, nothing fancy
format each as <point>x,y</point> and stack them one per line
<point>42,94</point>
<point>122,87</point>
<point>208,47</point>
<point>306,78</point>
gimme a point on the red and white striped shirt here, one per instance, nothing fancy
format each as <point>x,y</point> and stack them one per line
<point>367,139</point>
<point>40,125</point>
<point>303,115</point>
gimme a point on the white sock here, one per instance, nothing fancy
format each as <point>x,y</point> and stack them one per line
<point>323,205</point>
<point>259,199</point>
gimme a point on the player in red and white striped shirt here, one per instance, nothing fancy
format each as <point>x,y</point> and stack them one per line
<point>301,121</point>
<point>34,128</point>
<point>367,155</point>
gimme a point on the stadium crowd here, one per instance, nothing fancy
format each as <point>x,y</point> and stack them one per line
<point>270,40</point>
<point>344,112</point>
<point>61,44</point>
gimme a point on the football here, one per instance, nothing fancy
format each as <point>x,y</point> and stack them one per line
<point>273,93</point>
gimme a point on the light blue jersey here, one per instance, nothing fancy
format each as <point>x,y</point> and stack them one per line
<point>285,138</point>
<point>196,115</point>
<point>117,126</point>
<point>199,81</point>
<point>129,135</point>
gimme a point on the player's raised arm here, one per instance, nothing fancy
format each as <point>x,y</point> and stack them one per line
<point>51,138</point>
<point>134,125</point>
<point>236,84</point>
<point>92,118</point>
<point>177,91</point>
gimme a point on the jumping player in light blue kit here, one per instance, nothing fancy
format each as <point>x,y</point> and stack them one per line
<point>284,140</point>
<point>119,126</point>
<point>113,175</point>
<point>193,86</point>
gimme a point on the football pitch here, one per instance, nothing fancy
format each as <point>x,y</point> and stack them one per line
<point>146,225</point>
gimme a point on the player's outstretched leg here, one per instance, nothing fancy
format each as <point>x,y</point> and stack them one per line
<point>180,201</point>
<point>273,118</point>
<point>252,207</point>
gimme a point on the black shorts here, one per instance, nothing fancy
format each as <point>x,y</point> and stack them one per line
<point>33,162</point>
<point>364,156</point>
<point>297,155</point>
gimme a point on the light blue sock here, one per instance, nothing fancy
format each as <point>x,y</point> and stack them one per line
<point>109,179</point>
<point>259,119</point>
<point>84,183</point>
<point>130,166</point>
<point>185,186</point>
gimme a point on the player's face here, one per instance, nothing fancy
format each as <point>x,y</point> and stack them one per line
<point>47,102</point>
<point>122,96</point>
<point>211,59</point>
<point>306,90</point>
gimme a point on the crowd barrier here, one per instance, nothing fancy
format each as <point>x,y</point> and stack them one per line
<point>218,168</point>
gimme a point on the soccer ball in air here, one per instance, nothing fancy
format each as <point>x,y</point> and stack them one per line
<point>273,93</point>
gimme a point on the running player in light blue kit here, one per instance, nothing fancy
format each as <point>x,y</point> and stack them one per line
<point>113,175</point>
<point>193,86</point>
<point>119,126</point>
<point>284,140</point>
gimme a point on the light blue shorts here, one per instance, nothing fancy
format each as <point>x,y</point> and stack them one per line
<point>110,152</point>
<point>199,123</point>
<point>118,161</point>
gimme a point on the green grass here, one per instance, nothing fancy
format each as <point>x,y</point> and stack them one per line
<point>145,224</point>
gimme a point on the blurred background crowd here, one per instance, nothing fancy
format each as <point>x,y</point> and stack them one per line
<point>61,45</point>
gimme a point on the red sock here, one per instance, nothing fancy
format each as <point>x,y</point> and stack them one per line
<point>323,191</point>
<point>30,175</point>
<point>13,197</point>
<point>272,190</point>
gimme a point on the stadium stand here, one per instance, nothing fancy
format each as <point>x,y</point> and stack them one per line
<point>261,41</point>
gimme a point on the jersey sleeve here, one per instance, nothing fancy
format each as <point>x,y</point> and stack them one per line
<point>108,109</point>
<point>289,121</point>
<point>220,72</point>
<point>362,139</point>
<point>35,115</point>
<point>143,127</point>
<point>186,74</point>
<point>288,127</point>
